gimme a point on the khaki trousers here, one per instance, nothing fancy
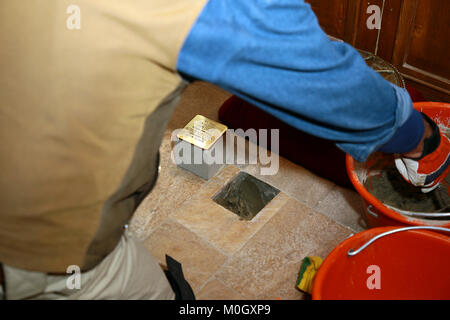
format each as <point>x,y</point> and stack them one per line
<point>128,272</point>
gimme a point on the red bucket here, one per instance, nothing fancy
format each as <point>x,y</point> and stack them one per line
<point>387,263</point>
<point>376,213</point>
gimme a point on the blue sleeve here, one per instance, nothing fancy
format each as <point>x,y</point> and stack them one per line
<point>274,55</point>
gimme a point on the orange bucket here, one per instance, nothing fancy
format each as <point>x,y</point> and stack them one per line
<point>376,213</point>
<point>387,263</point>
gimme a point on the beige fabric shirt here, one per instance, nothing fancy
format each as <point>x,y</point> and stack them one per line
<point>79,127</point>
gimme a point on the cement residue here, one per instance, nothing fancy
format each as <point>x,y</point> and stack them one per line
<point>390,188</point>
<point>245,195</point>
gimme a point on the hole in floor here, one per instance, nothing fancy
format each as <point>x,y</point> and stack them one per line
<point>245,195</point>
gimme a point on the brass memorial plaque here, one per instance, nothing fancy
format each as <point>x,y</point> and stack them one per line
<point>202,132</point>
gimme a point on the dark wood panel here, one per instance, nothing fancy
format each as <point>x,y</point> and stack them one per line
<point>366,39</point>
<point>429,93</point>
<point>331,15</point>
<point>380,42</point>
<point>414,37</point>
<point>389,29</point>
<point>422,44</point>
<point>430,38</point>
<point>352,21</point>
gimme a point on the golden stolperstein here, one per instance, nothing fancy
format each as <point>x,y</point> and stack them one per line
<point>202,132</point>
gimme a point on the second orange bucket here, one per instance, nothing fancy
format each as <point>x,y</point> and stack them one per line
<point>387,263</point>
<point>376,213</point>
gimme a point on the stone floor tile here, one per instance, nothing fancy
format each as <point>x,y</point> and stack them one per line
<point>216,290</point>
<point>221,227</point>
<point>173,187</point>
<point>267,266</point>
<point>295,181</point>
<point>198,258</point>
<point>344,206</point>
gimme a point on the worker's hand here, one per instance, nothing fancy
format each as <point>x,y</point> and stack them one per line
<point>431,165</point>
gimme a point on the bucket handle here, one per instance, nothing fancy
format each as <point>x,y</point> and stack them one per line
<point>369,211</point>
<point>351,252</point>
<point>425,215</point>
<point>421,214</point>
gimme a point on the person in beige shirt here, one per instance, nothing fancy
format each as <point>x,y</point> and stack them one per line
<point>82,112</point>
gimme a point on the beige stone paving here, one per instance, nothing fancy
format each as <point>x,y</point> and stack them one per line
<point>224,257</point>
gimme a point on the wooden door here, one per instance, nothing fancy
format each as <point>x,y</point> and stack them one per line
<point>337,17</point>
<point>414,37</point>
<point>422,47</point>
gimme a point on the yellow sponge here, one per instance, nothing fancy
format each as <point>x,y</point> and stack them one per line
<point>308,270</point>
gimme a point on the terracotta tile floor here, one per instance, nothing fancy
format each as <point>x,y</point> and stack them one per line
<point>224,257</point>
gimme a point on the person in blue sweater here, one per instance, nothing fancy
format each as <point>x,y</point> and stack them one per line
<point>275,55</point>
